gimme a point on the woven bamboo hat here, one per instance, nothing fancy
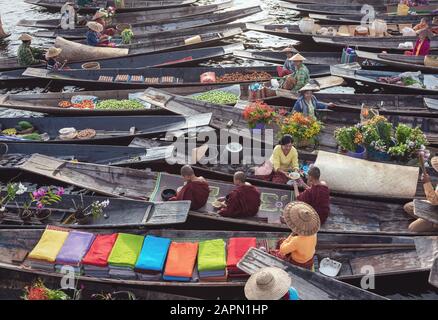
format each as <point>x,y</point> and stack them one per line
<point>98,15</point>
<point>297,57</point>
<point>310,87</point>
<point>301,218</point>
<point>434,163</point>
<point>97,27</point>
<point>25,37</point>
<point>53,52</point>
<point>267,284</point>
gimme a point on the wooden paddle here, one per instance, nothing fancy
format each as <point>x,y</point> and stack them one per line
<point>421,163</point>
<point>50,82</point>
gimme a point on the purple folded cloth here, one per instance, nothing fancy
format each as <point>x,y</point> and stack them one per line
<point>75,247</point>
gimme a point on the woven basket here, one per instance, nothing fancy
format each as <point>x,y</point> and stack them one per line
<point>91,66</point>
<point>123,26</point>
<point>431,61</point>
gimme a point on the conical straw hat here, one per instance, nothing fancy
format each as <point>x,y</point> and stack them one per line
<point>267,284</point>
<point>53,52</point>
<point>25,37</point>
<point>97,27</point>
<point>301,218</point>
<point>297,57</point>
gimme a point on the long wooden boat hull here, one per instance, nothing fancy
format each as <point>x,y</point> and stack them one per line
<point>146,29</point>
<point>130,5</point>
<point>108,129</point>
<point>329,9</point>
<point>280,57</point>
<point>371,78</point>
<point>159,77</point>
<point>356,19</point>
<point>322,287</point>
<point>347,2</point>
<point>137,18</point>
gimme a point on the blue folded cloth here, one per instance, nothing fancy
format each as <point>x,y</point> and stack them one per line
<point>153,254</point>
<point>182,279</point>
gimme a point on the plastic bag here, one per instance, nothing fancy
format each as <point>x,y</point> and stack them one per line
<point>80,99</point>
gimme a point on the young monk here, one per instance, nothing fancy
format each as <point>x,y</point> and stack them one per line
<point>317,194</point>
<point>299,247</point>
<point>243,201</point>
<point>196,189</point>
<point>422,225</point>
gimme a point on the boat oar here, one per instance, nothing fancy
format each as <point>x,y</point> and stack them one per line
<point>421,163</point>
<point>50,82</point>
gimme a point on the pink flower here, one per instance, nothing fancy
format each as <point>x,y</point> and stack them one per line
<point>60,191</point>
<point>40,205</point>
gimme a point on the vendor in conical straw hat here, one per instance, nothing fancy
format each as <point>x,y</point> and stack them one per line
<point>26,54</point>
<point>301,76</point>
<point>51,57</point>
<point>304,222</point>
<point>100,17</point>
<point>288,66</point>
<point>270,283</point>
<point>307,103</point>
<point>422,225</point>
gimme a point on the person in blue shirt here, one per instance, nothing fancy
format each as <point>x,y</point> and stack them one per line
<point>307,103</point>
<point>94,36</point>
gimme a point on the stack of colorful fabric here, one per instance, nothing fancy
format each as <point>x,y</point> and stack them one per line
<point>181,261</point>
<point>237,247</point>
<point>211,260</point>
<point>124,256</point>
<point>95,262</point>
<point>43,256</point>
<point>74,249</point>
<point>150,263</point>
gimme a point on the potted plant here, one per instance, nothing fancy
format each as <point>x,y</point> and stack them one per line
<point>25,214</point>
<point>304,129</point>
<point>43,197</point>
<point>377,138</point>
<point>12,190</point>
<point>85,215</point>
<point>409,142</point>
<point>38,291</point>
<point>258,114</point>
<point>350,140</point>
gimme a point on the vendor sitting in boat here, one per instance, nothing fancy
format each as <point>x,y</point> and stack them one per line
<point>94,36</point>
<point>288,66</point>
<point>243,201</point>
<point>300,77</point>
<point>299,248</point>
<point>422,25</point>
<point>28,55</point>
<point>99,17</point>
<point>422,45</point>
<point>307,103</point>
<point>195,189</point>
<point>422,225</point>
<point>51,57</point>
<point>284,158</point>
<point>316,194</point>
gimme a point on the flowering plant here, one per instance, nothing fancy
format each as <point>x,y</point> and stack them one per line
<point>258,112</point>
<point>38,291</point>
<point>349,138</point>
<point>44,197</point>
<point>96,208</point>
<point>377,134</point>
<point>12,190</point>
<point>408,142</point>
<point>300,126</point>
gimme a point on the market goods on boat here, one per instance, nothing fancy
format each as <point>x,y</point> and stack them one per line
<point>356,19</point>
<point>134,18</point>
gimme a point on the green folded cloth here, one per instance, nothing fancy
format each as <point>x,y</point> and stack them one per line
<point>211,255</point>
<point>126,250</point>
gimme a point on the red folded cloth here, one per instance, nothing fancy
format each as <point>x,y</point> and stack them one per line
<point>237,247</point>
<point>282,71</point>
<point>100,250</point>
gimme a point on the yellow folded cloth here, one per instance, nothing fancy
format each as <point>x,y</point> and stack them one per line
<point>49,245</point>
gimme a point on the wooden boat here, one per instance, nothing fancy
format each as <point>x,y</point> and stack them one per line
<point>141,214</point>
<point>347,2</point>
<point>433,277</point>
<point>129,5</point>
<point>108,129</point>
<point>370,78</point>
<point>279,57</point>
<point>372,44</point>
<point>398,61</point>
<point>145,29</point>
<point>356,19</point>
<point>160,77</point>
<point>142,60</point>
<point>310,285</point>
<point>136,18</point>
<point>329,8</point>
<point>348,215</point>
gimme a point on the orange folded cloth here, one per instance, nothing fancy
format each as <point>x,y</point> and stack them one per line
<point>181,259</point>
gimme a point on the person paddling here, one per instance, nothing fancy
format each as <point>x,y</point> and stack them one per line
<point>28,55</point>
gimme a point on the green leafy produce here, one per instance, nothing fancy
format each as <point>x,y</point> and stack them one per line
<point>33,136</point>
<point>113,104</point>
<point>218,97</point>
<point>24,125</point>
<point>127,36</point>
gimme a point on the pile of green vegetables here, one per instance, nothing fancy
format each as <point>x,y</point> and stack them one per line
<point>113,104</point>
<point>218,97</point>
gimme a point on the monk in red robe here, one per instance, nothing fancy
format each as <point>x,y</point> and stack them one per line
<point>317,194</point>
<point>196,189</point>
<point>243,201</point>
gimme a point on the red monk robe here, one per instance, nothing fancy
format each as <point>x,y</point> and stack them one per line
<point>195,191</point>
<point>318,196</point>
<point>244,201</point>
